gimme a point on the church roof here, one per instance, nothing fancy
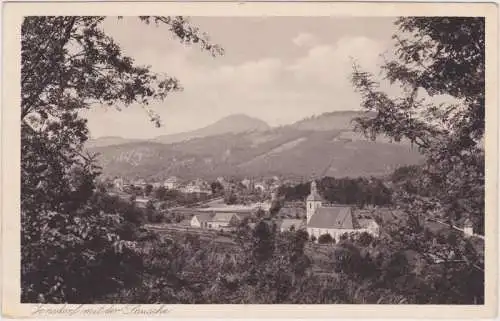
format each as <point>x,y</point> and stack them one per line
<point>337,217</point>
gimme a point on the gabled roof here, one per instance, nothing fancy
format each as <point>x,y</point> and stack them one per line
<point>286,224</point>
<point>337,217</point>
<point>204,217</point>
<point>223,217</point>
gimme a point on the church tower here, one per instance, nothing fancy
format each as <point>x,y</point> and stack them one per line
<point>313,201</point>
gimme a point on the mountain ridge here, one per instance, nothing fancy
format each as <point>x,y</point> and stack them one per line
<point>292,150</point>
<point>316,122</point>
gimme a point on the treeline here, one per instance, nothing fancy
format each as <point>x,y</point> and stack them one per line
<point>132,265</point>
<point>357,191</point>
<point>262,267</point>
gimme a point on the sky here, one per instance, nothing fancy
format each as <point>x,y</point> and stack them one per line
<point>277,69</point>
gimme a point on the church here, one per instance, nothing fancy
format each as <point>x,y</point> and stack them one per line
<point>334,219</point>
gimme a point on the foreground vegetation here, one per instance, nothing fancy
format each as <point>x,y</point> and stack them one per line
<point>78,245</point>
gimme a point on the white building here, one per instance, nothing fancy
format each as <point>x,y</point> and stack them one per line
<point>118,183</point>
<point>247,183</point>
<point>141,182</point>
<point>468,228</point>
<point>335,220</point>
<point>223,220</point>
<point>211,220</point>
<point>171,183</point>
<point>201,220</point>
<point>260,186</point>
<point>191,188</point>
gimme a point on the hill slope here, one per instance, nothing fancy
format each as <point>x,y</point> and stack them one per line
<point>285,151</point>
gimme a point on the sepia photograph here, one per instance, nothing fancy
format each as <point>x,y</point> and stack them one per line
<point>308,160</point>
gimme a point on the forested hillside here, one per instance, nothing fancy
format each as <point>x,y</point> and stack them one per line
<point>287,151</point>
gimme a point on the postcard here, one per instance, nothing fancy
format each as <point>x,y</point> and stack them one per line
<point>223,159</point>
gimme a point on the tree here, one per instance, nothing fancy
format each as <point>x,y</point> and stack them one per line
<point>150,211</point>
<point>217,188</point>
<point>434,56</point>
<point>160,193</point>
<point>325,239</point>
<point>230,198</point>
<point>364,239</point>
<point>148,189</point>
<point>69,64</point>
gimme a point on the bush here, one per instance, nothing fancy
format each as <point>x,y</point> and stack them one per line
<point>325,239</point>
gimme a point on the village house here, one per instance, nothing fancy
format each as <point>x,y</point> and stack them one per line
<point>171,183</point>
<point>200,220</point>
<point>141,182</point>
<point>190,188</point>
<point>265,206</point>
<point>198,186</point>
<point>212,220</point>
<point>334,219</point>
<point>261,186</point>
<point>247,183</point>
<point>224,220</point>
<point>118,183</point>
<point>468,228</point>
<point>142,202</point>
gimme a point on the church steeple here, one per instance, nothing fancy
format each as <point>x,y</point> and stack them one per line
<point>313,201</point>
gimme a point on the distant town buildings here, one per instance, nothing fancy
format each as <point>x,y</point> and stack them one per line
<point>141,182</point>
<point>197,186</point>
<point>171,183</point>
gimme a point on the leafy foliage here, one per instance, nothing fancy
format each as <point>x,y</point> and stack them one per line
<point>325,239</point>
<point>436,56</point>
<point>358,191</point>
<point>69,242</point>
